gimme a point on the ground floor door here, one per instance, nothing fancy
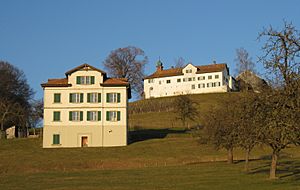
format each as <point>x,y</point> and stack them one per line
<point>84,141</point>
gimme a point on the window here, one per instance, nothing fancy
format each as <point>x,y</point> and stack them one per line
<point>85,80</point>
<point>56,97</point>
<point>150,80</point>
<point>76,98</point>
<point>178,80</point>
<point>168,81</point>
<point>76,116</point>
<point>201,78</point>
<point>113,97</point>
<point>189,79</point>
<point>93,97</point>
<point>56,116</point>
<point>93,116</point>
<point>184,80</point>
<point>193,86</point>
<point>216,76</point>
<point>201,85</point>
<point>56,139</point>
<point>217,84</point>
<point>159,82</point>
<point>209,77</point>
<point>194,78</point>
<point>209,84</point>
<point>113,116</point>
<point>188,71</point>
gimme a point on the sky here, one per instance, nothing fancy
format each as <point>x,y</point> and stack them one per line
<point>47,38</point>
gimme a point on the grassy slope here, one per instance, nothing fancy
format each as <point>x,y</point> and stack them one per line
<point>158,158</point>
<point>168,119</point>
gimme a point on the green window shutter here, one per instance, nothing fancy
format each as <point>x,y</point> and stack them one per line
<point>56,139</point>
<point>78,80</point>
<point>56,116</point>
<point>99,97</point>
<point>81,116</point>
<point>118,97</point>
<point>99,115</point>
<point>88,118</point>
<point>107,97</point>
<point>88,97</point>
<point>70,116</point>
<point>70,98</point>
<point>81,97</point>
<point>118,115</point>
<point>56,98</point>
<point>92,79</point>
<point>107,115</point>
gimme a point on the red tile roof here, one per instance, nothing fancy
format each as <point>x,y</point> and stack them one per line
<point>178,71</point>
<point>56,83</point>
<point>115,82</point>
<point>107,82</point>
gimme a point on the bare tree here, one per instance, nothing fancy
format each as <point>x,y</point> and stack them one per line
<point>282,54</point>
<point>179,62</point>
<point>186,109</point>
<point>128,62</point>
<point>221,126</point>
<point>246,108</point>
<point>281,115</point>
<point>244,61</point>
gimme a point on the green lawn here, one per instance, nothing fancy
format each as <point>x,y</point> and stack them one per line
<point>174,160</point>
<point>161,156</point>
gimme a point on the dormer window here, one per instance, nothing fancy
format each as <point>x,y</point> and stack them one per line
<point>85,80</point>
<point>188,71</point>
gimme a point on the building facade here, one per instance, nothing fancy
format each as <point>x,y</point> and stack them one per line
<point>86,108</point>
<point>188,80</point>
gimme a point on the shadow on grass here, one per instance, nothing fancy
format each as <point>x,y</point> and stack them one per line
<point>146,134</point>
<point>285,168</point>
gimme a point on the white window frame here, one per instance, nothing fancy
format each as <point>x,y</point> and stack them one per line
<point>113,116</point>
<point>75,115</point>
<point>93,115</point>
<point>75,97</point>
<point>113,97</point>
<point>93,97</point>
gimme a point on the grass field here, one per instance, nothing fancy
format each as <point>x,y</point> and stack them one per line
<point>161,156</point>
<point>175,161</point>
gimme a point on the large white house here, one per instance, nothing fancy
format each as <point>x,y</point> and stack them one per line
<point>86,108</point>
<point>188,80</point>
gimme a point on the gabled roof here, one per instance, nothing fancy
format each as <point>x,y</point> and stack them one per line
<point>178,71</point>
<point>56,83</point>
<point>84,66</point>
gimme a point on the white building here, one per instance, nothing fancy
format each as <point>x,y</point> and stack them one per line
<point>86,108</point>
<point>188,80</point>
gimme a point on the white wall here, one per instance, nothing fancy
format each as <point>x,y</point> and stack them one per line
<point>99,133</point>
<point>161,88</point>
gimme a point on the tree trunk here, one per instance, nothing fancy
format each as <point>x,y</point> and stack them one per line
<point>2,131</point>
<point>247,160</point>
<point>230,155</point>
<point>273,165</point>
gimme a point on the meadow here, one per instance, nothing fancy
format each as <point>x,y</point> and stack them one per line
<point>161,155</point>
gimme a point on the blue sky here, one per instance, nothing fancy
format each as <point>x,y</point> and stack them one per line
<point>47,38</point>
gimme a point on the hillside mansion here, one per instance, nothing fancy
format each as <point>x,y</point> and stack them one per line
<point>86,108</point>
<point>188,80</point>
